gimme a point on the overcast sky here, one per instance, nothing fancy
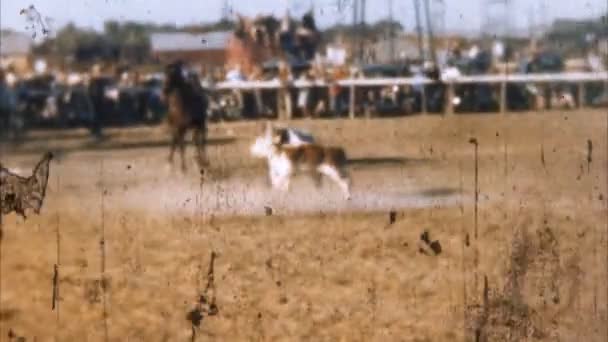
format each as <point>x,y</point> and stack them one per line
<point>460,15</point>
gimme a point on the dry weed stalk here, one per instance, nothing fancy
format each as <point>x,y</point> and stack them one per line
<point>17,193</point>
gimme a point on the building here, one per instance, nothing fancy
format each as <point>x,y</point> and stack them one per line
<point>206,49</point>
<point>15,51</point>
<point>404,47</point>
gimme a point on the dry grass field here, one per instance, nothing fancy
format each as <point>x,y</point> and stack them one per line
<point>529,264</point>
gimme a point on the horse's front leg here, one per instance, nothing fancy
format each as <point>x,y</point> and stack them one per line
<point>285,183</point>
<point>178,141</point>
<point>172,148</point>
<point>275,178</point>
<point>182,153</point>
<point>282,180</point>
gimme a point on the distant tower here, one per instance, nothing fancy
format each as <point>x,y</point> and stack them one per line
<point>495,18</point>
<point>226,10</point>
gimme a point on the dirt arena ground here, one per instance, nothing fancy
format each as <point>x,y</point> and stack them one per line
<point>529,264</point>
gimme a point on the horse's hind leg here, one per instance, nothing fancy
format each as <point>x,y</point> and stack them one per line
<point>200,140</point>
<point>182,150</point>
<point>177,141</point>
<point>174,142</point>
<point>196,136</point>
<point>338,176</point>
<point>317,178</point>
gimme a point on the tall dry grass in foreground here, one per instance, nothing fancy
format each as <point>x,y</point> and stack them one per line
<point>534,267</point>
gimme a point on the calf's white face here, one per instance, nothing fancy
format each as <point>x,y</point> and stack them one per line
<point>262,146</point>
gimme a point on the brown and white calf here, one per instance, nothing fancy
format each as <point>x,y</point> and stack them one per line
<point>284,161</point>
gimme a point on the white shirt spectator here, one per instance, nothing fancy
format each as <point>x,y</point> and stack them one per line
<point>473,51</point>
<point>595,63</point>
<point>235,75</point>
<point>450,73</point>
<point>10,79</point>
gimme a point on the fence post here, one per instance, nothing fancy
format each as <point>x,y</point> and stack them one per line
<point>605,87</point>
<point>423,108</point>
<point>288,104</point>
<point>541,100</point>
<point>449,98</point>
<point>279,104</point>
<point>581,94</point>
<point>503,97</point>
<point>351,104</point>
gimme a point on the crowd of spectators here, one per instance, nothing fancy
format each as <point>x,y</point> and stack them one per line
<point>114,95</point>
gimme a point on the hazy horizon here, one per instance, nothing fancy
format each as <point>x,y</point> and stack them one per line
<point>460,16</point>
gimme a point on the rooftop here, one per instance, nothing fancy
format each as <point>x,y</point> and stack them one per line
<point>14,43</point>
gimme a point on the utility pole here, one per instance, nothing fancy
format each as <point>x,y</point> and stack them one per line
<point>438,20</point>
<point>391,31</point>
<point>427,12</point>
<point>355,29</point>
<point>362,30</point>
<point>419,29</point>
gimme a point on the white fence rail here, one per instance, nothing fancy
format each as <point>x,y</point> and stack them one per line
<point>573,77</point>
<point>579,78</point>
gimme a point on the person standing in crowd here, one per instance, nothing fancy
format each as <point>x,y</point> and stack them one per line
<point>318,74</point>
<point>304,95</point>
<point>339,73</point>
<point>286,36</point>
<point>5,107</point>
<point>235,74</point>
<point>10,122</point>
<point>96,92</point>
<point>256,75</point>
<point>285,79</point>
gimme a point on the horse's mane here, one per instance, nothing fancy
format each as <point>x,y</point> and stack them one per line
<point>173,77</point>
<point>188,87</point>
<point>308,21</point>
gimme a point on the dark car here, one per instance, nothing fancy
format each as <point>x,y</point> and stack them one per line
<point>104,94</point>
<point>151,102</point>
<point>391,99</point>
<point>11,123</point>
<point>544,62</point>
<point>476,97</point>
<point>75,106</point>
<point>37,101</point>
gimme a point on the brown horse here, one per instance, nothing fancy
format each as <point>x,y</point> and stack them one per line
<point>187,104</point>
